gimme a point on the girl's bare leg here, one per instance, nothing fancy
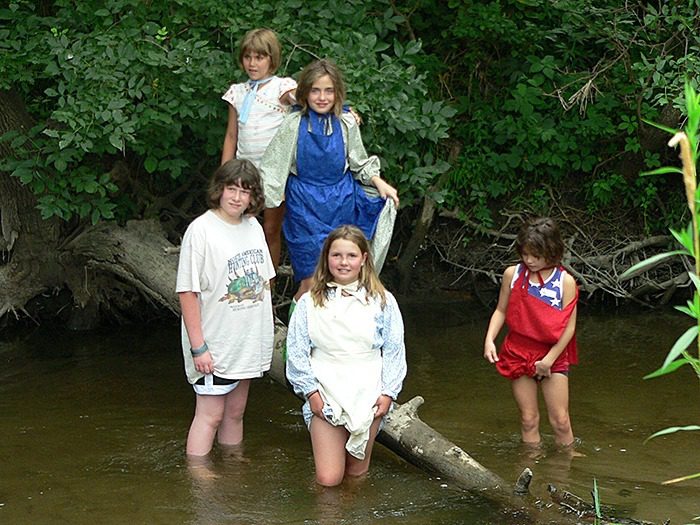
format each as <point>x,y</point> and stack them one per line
<point>525,394</point>
<point>208,414</point>
<point>356,467</point>
<point>555,390</point>
<point>272,226</point>
<point>231,427</point>
<point>304,286</point>
<point>328,444</point>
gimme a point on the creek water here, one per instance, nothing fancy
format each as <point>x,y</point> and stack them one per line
<point>94,424</point>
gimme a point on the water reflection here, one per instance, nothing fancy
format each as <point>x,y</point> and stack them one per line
<point>94,427</point>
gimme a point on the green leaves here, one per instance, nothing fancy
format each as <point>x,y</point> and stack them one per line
<point>680,353</point>
<point>140,83</point>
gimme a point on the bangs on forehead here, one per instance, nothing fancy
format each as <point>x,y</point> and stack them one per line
<point>257,46</point>
<point>238,180</point>
<point>532,249</point>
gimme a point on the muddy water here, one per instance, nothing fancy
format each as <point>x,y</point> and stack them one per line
<point>93,429</point>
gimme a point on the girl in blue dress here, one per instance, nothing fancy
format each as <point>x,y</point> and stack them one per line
<point>321,148</point>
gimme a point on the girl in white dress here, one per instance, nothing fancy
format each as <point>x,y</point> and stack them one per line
<point>256,109</point>
<point>345,355</point>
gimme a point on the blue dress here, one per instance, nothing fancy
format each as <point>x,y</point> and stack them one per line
<point>323,195</point>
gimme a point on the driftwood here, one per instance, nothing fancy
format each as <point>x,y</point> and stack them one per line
<point>597,254</point>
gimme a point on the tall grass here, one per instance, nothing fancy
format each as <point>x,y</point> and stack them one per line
<point>682,352</point>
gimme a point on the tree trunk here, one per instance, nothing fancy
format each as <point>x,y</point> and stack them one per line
<point>101,266</point>
<point>29,264</point>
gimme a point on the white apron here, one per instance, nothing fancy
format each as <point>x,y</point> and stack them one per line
<point>348,369</point>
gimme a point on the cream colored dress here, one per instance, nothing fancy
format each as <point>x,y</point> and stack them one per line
<point>351,350</point>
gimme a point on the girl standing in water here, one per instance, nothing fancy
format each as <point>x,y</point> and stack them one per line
<point>538,303</point>
<point>223,284</point>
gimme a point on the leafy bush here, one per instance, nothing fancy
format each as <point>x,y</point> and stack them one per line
<point>550,93</point>
<point>127,93</point>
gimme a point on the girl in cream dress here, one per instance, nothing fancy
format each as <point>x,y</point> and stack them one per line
<point>345,355</point>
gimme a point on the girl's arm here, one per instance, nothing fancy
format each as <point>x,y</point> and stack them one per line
<point>393,355</point>
<point>543,367</point>
<point>228,151</point>
<point>289,98</point>
<point>299,372</point>
<point>386,190</point>
<point>393,348</point>
<point>192,317</point>
<point>365,168</point>
<point>498,317</point>
<point>278,159</point>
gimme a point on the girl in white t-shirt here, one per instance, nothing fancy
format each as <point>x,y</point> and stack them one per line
<point>223,283</point>
<point>256,109</point>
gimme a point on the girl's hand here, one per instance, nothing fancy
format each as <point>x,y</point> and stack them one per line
<point>204,363</point>
<point>490,353</point>
<point>386,190</point>
<point>382,405</point>
<point>356,116</point>
<point>316,404</point>
<point>542,369</point>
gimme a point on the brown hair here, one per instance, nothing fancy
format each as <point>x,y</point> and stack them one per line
<point>310,74</point>
<point>263,41</point>
<point>243,173</point>
<point>368,278</point>
<point>540,236</point>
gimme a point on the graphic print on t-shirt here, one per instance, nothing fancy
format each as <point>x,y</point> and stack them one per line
<point>244,280</point>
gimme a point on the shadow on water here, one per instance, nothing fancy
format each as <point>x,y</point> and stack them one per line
<point>94,427</point>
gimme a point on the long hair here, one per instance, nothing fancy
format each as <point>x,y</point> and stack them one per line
<point>540,236</point>
<point>240,171</point>
<point>368,278</point>
<point>263,41</point>
<point>310,74</point>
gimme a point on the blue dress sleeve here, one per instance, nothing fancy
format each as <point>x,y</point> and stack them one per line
<point>299,372</point>
<point>393,349</point>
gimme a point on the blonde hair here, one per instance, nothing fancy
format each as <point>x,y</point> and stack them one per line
<point>241,172</point>
<point>263,41</point>
<point>368,278</point>
<point>310,74</point>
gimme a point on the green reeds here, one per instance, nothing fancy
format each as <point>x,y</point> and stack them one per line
<point>689,239</point>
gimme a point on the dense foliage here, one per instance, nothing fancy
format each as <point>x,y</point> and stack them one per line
<point>126,93</point>
<point>538,94</point>
<point>551,93</point>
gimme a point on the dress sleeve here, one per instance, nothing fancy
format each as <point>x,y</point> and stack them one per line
<point>277,160</point>
<point>231,95</point>
<point>362,166</point>
<point>299,372</point>
<point>287,84</point>
<point>393,349</point>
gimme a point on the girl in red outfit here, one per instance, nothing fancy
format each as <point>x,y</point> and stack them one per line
<point>538,303</point>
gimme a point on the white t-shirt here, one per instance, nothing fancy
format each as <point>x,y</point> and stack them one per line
<point>229,267</point>
<point>266,115</point>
